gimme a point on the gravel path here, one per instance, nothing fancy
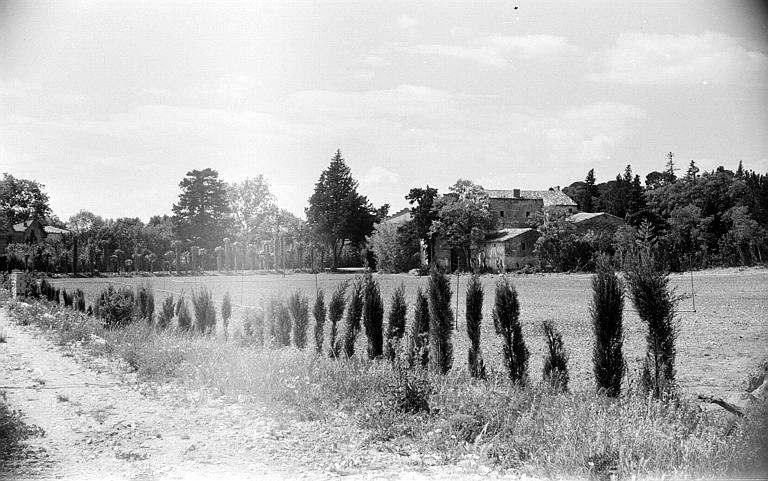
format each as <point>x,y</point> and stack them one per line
<point>99,423</point>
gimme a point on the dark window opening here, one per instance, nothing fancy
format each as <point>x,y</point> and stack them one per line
<point>522,246</point>
<point>501,213</point>
<point>527,214</point>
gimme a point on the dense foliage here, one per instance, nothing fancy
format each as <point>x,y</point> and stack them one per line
<point>607,309</point>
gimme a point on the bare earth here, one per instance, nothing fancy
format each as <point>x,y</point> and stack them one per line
<point>100,424</point>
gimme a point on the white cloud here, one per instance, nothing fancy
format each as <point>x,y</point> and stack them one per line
<point>380,175</point>
<point>709,57</point>
<point>406,22</point>
<point>364,75</point>
<point>498,50</point>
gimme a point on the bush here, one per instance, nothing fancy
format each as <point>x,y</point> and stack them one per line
<point>408,391</point>
<point>298,305</point>
<point>395,250</point>
<point>354,313</point>
<point>396,326</point>
<point>253,326</point>
<point>373,316</point>
<point>556,360</point>
<point>145,302</point>
<point>166,313</point>
<point>67,298</point>
<point>474,322</point>
<point>506,321</point>
<point>419,352</point>
<point>335,312</point>
<point>440,323</point>
<point>79,300</point>
<point>282,322</point>
<point>205,311</point>
<point>226,312</point>
<point>655,304</point>
<point>607,309</point>
<point>57,296</point>
<point>318,312</point>
<point>114,306</point>
<point>184,318</point>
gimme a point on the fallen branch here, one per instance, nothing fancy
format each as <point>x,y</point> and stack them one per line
<point>732,408</point>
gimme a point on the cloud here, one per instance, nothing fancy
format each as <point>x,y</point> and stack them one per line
<point>406,22</point>
<point>685,59</point>
<point>364,75</point>
<point>499,50</point>
<point>380,175</point>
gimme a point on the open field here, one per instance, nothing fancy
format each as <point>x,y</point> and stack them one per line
<point>719,343</point>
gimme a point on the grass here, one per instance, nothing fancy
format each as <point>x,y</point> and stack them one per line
<point>536,430</point>
<point>13,432</point>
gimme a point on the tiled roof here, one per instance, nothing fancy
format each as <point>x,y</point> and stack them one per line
<point>22,226</point>
<point>399,217</point>
<point>507,234</point>
<point>582,216</point>
<point>49,229</point>
<point>550,197</point>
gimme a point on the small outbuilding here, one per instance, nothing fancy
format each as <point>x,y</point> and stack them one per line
<point>597,222</point>
<point>509,249</point>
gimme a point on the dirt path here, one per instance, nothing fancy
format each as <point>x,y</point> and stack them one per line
<point>100,424</point>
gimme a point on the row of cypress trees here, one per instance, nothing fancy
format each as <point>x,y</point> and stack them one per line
<point>430,343</point>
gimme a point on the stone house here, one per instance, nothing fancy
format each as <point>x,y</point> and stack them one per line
<point>509,248</point>
<point>514,207</point>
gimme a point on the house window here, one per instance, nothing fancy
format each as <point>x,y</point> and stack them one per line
<point>570,210</point>
<point>522,246</point>
<point>501,213</point>
<point>527,214</point>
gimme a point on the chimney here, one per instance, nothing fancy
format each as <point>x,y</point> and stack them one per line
<point>516,193</point>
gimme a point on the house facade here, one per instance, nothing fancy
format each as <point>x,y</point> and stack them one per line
<point>513,208</point>
<point>509,249</point>
<point>27,232</point>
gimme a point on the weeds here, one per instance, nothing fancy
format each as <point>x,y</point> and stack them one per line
<point>165,316</point>
<point>556,360</point>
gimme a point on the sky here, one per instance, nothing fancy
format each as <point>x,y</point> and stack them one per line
<point>110,103</point>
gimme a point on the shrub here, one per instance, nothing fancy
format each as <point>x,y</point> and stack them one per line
<point>440,323</point>
<point>145,302</point>
<point>419,352</point>
<point>655,303</point>
<point>354,313</point>
<point>474,322</point>
<point>373,316</point>
<point>67,298</point>
<point>556,360</point>
<point>409,391</point>
<point>298,305</point>
<point>114,306</point>
<point>396,326</point>
<point>79,300</point>
<point>57,296</point>
<point>607,307</point>
<point>318,311</point>
<point>506,321</point>
<point>184,318</point>
<point>253,326</point>
<point>166,313</point>
<point>335,312</point>
<point>226,312</point>
<point>205,311</point>
<point>282,322</point>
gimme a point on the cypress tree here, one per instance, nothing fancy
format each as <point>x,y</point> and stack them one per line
<point>607,307</point>
<point>655,303</point>
<point>440,323</point>
<point>506,321</point>
<point>420,331</point>
<point>474,321</point>
<point>226,313</point>
<point>373,316</point>
<point>335,312</point>
<point>298,305</point>
<point>319,313</point>
<point>396,326</point>
<point>354,315</point>
<point>556,360</point>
